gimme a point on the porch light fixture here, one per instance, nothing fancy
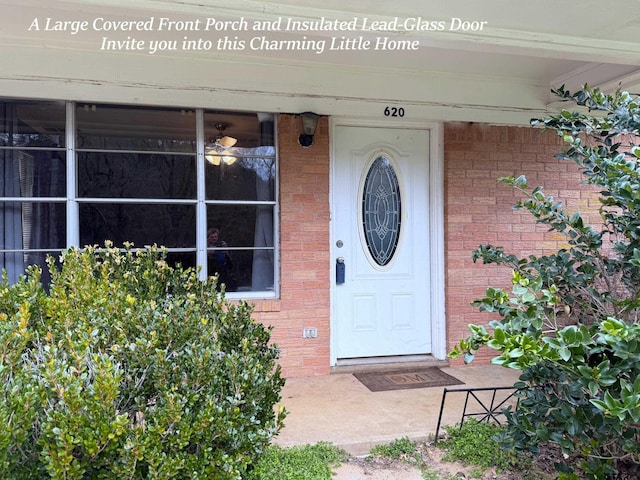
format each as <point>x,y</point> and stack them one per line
<point>309,125</point>
<point>220,151</point>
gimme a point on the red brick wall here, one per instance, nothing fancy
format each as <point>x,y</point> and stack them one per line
<point>478,209</point>
<point>304,252</point>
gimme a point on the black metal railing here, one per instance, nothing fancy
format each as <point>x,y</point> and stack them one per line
<point>488,410</point>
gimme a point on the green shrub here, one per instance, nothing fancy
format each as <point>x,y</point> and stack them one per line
<point>400,449</point>
<point>475,443</point>
<point>308,462</point>
<point>129,368</point>
<point>570,321</point>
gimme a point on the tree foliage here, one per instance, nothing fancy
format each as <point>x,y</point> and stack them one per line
<point>128,368</point>
<point>570,321</point>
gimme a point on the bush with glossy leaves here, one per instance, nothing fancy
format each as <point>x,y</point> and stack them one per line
<point>570,321</point>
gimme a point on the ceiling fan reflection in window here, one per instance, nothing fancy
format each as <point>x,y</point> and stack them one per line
<point>221,149</point>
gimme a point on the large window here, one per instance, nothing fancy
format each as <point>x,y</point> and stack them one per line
<point>201,183</point>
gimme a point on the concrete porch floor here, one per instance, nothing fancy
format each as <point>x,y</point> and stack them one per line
<point>339,409</point>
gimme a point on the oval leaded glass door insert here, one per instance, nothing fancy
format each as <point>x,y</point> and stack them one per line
<point>381,213</point>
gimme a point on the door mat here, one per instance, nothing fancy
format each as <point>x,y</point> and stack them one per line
<point>422,377</point>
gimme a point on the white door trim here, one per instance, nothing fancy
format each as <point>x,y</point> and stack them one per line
<point>436,225</point>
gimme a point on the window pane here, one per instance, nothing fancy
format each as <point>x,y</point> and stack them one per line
<point>141,224</point>
<point>29,226</point>
<point>241,156</point>
<point>186,259</point>
<point>248,129</point>
<point>113,127</point>
<point>250,178</point>
<point>242,270</point>
<point>381,210</point>
<point>32,124</point>
<point>133,175</point>
<point>242,225</point>
<point>123,153</point>
<point>233,228</point>
<point>16,263</point>
<point>32,173</point>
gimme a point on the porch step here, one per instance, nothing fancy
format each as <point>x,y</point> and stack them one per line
<point>377,364</point>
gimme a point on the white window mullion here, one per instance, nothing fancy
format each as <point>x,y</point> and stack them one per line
<point>276,214</point>
<point>201,207</point>
<point>73,227</point>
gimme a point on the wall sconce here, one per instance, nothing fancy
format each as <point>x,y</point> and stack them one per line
<point>309,124</point>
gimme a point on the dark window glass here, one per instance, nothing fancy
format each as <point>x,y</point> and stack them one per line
<point>30,230</point>
<point>185,259</point>
<point>240,167</point>
<point>133,175</point>
<point>249,178</point>
<point>114,127</point>
<point>136,182</point>
<point>32,124</point>
<point>32,173</point>
<point>242,270</point>
<point>242,225</point>
<point>28,226</point>
<point>32,225</point>
<point>240,246</point>
<point>249,130</point>
<point>240,156</point>
<point>172,226</point>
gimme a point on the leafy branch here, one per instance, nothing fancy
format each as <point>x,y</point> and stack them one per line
<point>570,321</point>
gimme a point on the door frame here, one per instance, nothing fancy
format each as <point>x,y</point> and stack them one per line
<point>436,224</point>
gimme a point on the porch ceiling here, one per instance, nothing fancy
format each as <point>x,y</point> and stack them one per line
<point>501,74</point>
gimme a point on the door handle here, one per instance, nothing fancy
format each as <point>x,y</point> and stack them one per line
<point>340,270</point>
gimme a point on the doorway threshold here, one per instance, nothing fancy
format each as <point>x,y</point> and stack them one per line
<point>374,364</point>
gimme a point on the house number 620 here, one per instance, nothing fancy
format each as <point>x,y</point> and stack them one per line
<point>393,112</point>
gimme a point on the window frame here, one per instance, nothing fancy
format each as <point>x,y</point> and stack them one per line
<point>73,201</point>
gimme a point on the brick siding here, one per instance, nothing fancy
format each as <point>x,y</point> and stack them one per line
<point>304,252</point>
<point>477,211</point>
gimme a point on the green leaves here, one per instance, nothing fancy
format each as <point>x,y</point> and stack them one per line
<point>129,368</point>
<point>476,443</point>
<point>308,462</point>
<point>570,321</point>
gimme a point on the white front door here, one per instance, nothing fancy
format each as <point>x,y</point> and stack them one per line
<point>380,224</point>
